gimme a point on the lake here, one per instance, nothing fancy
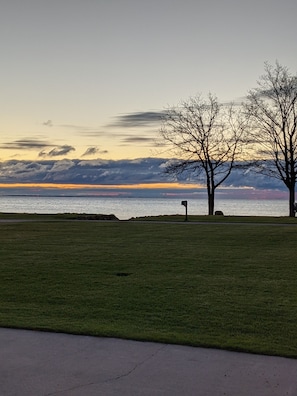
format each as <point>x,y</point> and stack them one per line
<point>125,208</point>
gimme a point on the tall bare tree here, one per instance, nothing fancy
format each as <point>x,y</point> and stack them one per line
<point>205,137</point>
<point>272,112</point>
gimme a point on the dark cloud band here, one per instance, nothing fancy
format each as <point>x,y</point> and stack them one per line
<point>139,119</point>
<point>28,144</point>
<point>109,172</point>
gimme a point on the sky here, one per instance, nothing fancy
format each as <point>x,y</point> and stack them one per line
<point>87,79</point>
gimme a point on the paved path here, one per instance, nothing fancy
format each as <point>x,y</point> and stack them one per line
<point>49,364</point>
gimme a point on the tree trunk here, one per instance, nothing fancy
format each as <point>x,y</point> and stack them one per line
<point>292,200</point>
<point>210,203</point>
<point>210,195</point>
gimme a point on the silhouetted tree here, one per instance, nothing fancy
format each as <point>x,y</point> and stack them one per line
<point>272,112</point>
<point>206,138</point>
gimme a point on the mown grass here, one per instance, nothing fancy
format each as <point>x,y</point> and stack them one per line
<point>161,218</point>
<point>220,219</point>
<point>214,285</point>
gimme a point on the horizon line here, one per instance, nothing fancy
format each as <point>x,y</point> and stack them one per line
<point>130,186</point>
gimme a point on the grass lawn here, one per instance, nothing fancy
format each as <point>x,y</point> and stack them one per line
<point>214,285</point>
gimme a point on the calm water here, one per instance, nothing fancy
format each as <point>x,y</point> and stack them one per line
<point>125,208</point>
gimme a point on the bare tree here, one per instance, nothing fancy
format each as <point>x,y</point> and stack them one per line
<point>205,136</point>
<point>272,111</point>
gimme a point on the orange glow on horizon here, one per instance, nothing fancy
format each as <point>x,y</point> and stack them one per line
<point>101,186</point>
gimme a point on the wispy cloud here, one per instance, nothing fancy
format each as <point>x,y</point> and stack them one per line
<point>78,129</point>
<point>26,144</point>
<point>138,119</point>
<point>93,151</point>
<point>57,151</point>
<point>132,139</point>
<point>48,123</point>
<point>83,130</point>
<point>45,148</point>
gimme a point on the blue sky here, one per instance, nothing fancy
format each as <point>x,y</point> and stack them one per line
<point>86,79</point>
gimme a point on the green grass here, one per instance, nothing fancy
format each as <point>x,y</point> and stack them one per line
<point>221,219</point>
<point>214,285</point>
<point>164,218</point>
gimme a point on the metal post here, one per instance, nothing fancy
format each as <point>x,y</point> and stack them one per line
<point>185,204</point>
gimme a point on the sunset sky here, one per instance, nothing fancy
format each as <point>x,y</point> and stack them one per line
<point>86,79</point>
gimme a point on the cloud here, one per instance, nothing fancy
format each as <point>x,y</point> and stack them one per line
<point>147,122</point>
<point>23,171</point>
<point>61,166</point>
<point>138,140</point>
<point>57,151</point>
<point>48,123</point>
<point>110,172</point>
<point>138,119</point>
<point>73,126</point>
<point>83,130</point>
<point>93,150</point>
<point>107,172</point>
<point>28,144</point>
<point>47,149</point>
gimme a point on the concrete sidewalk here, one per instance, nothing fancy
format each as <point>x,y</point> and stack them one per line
<point>47,364</point>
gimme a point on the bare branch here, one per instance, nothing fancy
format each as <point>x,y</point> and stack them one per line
<point>272,110</point>
<point>207,138</point>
